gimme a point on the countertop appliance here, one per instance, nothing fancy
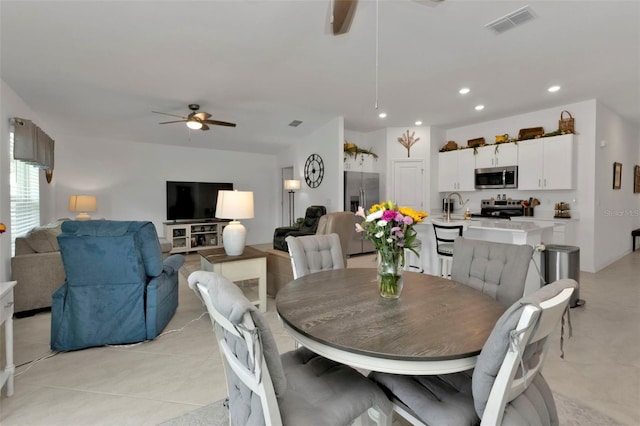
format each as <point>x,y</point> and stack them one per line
<point>496,177</point>
<point>360,189</point>
<point>501,209</point>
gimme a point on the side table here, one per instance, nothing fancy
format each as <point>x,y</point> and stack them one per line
<point>6,318</point>
<point>252,263</point>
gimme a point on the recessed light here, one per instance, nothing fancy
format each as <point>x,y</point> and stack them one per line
<point>382,115</point>
<point>418,123</point>
<point>479,107</point>
<point>553,89</point>
<point>464,90</point>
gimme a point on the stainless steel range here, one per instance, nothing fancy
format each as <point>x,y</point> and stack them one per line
<point>503,209</point>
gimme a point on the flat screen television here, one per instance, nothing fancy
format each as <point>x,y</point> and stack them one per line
<point>193,200</point>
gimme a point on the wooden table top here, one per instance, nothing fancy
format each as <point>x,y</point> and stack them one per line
<point>218,255</point>
<point>434,318</point>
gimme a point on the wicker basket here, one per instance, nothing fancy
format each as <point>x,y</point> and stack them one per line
<point>566,125</point>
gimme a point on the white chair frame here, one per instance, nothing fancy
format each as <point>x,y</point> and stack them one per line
<point>259,380</point>
<point>536,322</point>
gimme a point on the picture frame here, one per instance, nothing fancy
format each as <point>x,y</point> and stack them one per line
<point>636,179</point>
<point>617,175</point>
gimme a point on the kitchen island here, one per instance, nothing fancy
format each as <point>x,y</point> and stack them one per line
<point>496,230</point>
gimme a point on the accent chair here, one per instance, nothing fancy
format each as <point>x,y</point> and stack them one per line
<point>118,290</point>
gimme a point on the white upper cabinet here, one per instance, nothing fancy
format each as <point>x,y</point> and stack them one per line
<point>456,170</point>
<point>497,155</point>
<point>546,163</point>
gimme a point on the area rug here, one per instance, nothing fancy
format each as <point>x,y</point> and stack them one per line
<point>570,412</point>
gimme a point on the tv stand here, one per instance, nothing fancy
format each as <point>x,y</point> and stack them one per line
<point>192,236</point>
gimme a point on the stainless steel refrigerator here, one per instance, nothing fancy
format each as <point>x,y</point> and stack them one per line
<point>360,189</point>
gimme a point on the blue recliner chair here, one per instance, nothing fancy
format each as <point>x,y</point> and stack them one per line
<point>117,288</point>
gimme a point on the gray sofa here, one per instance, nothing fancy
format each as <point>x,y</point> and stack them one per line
<point>37,267</point>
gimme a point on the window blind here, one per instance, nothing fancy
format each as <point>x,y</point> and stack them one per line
<point>25,197</point>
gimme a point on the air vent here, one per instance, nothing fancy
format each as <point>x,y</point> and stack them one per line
<point>511,20</point>
<point>295,123</point>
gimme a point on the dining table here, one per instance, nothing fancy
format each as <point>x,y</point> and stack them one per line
<point>436,326</point>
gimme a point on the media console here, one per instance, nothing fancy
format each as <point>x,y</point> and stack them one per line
<point>192,236</point>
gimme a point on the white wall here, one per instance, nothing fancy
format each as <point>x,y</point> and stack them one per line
<point>616,212</point>
<point>129,179</point>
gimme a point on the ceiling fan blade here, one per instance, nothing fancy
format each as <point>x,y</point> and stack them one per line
<point>343,11</point>
<point>220,123</point>
<point>204,127</point>
<point>172,115</point>
<point>202,115</point>
<point>176,121</point>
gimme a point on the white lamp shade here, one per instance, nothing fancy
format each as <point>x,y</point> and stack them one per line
<point>83,204</point>
<point>234,205</point>
<point>291,184</point>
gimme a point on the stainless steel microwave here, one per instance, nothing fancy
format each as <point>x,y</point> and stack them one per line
<point>497,177</point>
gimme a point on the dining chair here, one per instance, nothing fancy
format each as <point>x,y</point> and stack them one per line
<point>295,388</point>
<point>506,387</point>
<point>341,223</point>
<point>445,236</point>
<point>496,269</point>
<point>314,253</point>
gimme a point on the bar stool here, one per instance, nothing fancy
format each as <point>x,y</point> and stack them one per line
<point>445,236</point>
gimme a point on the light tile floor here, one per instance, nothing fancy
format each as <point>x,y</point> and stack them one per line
<point>180,371</point>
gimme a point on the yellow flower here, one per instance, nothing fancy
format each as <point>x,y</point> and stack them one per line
<point>3,228</point>
<point>417,216</point>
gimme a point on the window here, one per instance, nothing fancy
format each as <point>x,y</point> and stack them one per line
<point>25,197</point>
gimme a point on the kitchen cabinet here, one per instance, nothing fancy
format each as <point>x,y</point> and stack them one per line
<point>546,163</point>
<point>456,170</point>
<point>497,155</point>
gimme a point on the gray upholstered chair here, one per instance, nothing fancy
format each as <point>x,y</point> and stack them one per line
<point>506,387</point>
<point>295,388</point>
<point>341,223</point>
<point>497,269</point>
<point>314,253</point>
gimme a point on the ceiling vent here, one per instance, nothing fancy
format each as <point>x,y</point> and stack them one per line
<point>295,123</point>
<point>511,20</point>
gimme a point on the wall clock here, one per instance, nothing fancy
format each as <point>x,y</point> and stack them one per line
<point>314,171</point>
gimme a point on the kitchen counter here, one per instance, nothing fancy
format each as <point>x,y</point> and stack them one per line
<point>496,230</point>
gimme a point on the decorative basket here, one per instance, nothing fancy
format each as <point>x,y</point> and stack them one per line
<point>475,142</point>
<point>565,125</point>
<point>530,133</point>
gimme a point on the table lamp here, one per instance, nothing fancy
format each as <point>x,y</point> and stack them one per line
<point>291,185</point>
<point>82,204</point>
<point>234,205</point>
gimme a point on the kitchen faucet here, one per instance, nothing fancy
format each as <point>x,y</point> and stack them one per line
<point>448,203</point>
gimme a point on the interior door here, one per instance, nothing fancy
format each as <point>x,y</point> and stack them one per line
<point>408,183</point>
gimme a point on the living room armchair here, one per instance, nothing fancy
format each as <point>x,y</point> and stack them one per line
<point>308,227</point>
<point>118,289</point>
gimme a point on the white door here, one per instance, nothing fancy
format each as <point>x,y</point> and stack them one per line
<point>408,183</point>
<point>448,171</point>
<point>558,164</point>
<point>466,170</point>
<point>530,164</point>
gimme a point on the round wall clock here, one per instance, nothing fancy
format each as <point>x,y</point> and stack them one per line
<point>314,171</point>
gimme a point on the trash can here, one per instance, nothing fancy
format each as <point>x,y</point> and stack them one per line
<point>560,261</point>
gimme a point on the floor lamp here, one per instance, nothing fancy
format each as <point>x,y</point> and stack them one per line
<point>291,185</point>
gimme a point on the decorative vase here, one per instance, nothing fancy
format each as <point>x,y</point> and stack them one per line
<point>390,273</point>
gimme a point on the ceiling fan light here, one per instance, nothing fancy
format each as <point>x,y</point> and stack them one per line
<point>194,124</point>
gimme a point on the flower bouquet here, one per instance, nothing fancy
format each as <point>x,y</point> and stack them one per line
<point>390,229</point>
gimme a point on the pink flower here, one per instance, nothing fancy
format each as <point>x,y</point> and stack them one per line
<point>360,212</point>
<point>359,228</point>
<point>407,220</point>
<point>389,215</point>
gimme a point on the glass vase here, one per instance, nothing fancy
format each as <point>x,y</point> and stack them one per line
<point>390,273</point>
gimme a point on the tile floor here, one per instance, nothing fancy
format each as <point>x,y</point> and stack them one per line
<point>148,383</point>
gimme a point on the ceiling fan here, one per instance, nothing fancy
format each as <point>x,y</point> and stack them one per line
<point>342,15</point>
<point>196,120</point>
